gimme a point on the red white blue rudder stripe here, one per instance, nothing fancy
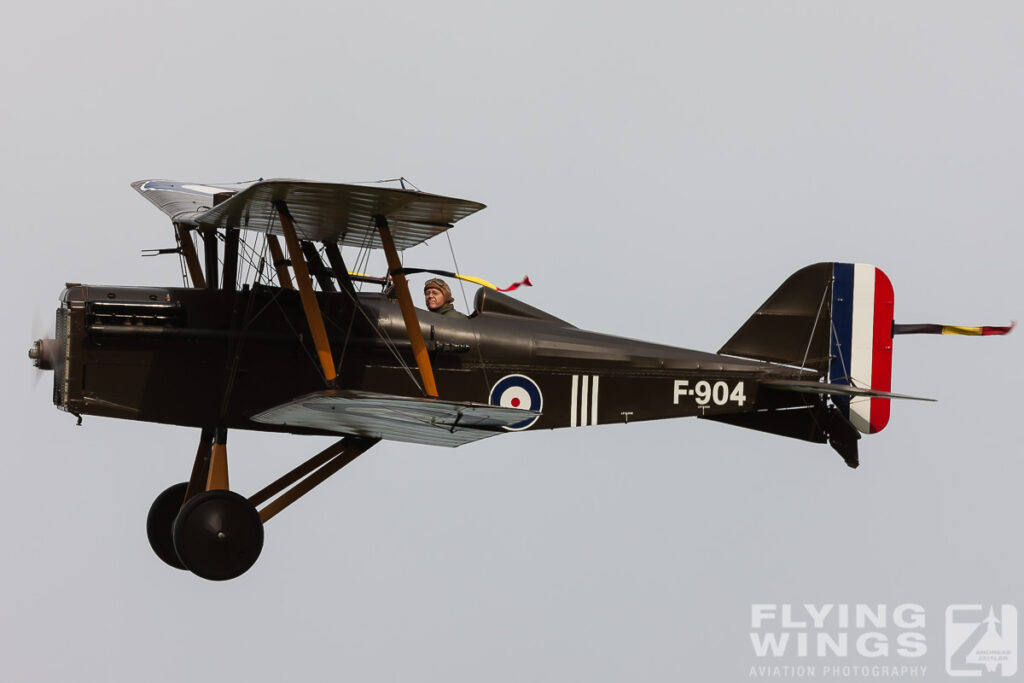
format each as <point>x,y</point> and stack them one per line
<point>861,341</point>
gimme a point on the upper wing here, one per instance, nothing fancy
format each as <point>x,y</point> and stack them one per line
<point>323,212</point>
<point>184,201</point>
<point>397,418</point>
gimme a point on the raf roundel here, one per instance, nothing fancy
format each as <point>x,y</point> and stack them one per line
<point>517,391</point>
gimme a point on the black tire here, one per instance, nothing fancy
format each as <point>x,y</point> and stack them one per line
<point>218,535</point>
<point>160,521</point>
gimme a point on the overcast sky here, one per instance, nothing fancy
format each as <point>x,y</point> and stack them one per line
<point>657,170</point>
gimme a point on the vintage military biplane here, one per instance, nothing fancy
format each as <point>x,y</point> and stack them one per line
<point>283,339</point>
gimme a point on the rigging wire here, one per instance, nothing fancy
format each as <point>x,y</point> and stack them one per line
<point>284,315</point>
<point>462,288</point>
<point>389,343</point>
<point>402,180</point>
<point>361,265</point>
<point>462,285</point>
<point>385,337</point>
<point>253,258</point>
<point>245,254</point>
<point>363,256</point>
<point>817,316</point>
<point>842,361</point>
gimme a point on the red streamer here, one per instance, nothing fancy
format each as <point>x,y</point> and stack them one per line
<point>525,282</point>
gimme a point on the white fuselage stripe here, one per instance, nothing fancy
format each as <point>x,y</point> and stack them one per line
<point>862,342</point>
<point>572,404</point>
<point>583,401</point>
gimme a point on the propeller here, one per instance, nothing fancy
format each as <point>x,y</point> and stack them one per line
<point>45,350</point>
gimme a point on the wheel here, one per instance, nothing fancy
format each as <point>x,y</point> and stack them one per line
<point>218,535</point>
<point>160,520</point>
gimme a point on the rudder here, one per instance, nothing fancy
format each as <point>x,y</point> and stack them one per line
<point>861,341</point>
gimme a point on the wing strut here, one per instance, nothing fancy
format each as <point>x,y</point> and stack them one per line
<point>309,303</point>
<point>229,272</point>
<point>280,263</point>
<point>412,323</point>
<point>339,269</point>
<point>188,249</point>
<point>210,256</point>
<point>316,267</point>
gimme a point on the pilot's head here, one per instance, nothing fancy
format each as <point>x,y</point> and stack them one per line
<point>437,293</point>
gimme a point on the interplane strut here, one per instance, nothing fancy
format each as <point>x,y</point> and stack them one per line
<point>412,324</point>
<point>309,303</point>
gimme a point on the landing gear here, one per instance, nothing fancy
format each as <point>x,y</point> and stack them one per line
<point>161,519</point>
<point>218,535</point>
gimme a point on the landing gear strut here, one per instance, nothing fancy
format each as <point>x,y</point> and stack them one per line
<point>217,534</point>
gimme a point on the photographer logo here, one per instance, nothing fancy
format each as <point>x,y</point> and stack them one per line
<point>981,640</point>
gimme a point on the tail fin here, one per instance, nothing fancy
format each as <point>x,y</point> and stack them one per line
<point>835,318</point>
<point>792,326</point>
<point>861,342</point>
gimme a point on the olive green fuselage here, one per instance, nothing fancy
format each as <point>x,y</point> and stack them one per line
<point>209,358</point>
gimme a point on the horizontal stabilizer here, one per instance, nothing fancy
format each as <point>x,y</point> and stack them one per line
<point>812,387</point>
<point>396,418</point>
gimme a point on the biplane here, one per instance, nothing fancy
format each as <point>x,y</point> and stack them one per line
<point>286,338</point>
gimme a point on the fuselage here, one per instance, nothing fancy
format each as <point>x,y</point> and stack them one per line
<point>193,356</point>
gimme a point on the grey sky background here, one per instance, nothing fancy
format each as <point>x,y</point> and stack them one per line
<point>657,170</point>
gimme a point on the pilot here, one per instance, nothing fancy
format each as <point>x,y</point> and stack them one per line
<point>439,298</point>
